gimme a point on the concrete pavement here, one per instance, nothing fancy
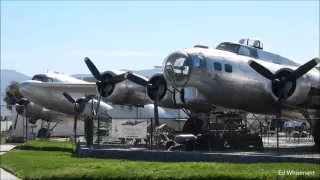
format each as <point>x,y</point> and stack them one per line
<point>4,175</point>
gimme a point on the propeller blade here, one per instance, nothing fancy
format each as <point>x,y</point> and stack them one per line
<point>67,96</point>
<point>75,127</point>
<point>156,113</point>
<point>98,104</point>
<point>279,103</point>
<point>138,80</point>
<point>88,98</point>
<point>94,71</point>
<point>261,70</point>
<point>15,122</point>
<point>303,69</point>
<point>120,78</point>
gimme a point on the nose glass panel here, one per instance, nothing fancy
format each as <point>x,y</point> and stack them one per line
<point>177,68</point>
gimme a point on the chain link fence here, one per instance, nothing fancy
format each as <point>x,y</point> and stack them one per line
<point>236,134</point>
<point>227,132</point>
<point>291,134</point>
<point>14,126</point>
<point>107,132</point>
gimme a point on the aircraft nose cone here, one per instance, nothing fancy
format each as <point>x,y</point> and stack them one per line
<point>177,68</point>
<point>25,88</point>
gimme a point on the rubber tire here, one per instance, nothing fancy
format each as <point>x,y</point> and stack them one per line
<point>190,145</point>
<point>169,144</point>
<point>43,133</point>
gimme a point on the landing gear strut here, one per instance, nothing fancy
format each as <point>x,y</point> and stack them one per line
<point>316,129</point>
<point>46,132</point>
<point>43,133</point>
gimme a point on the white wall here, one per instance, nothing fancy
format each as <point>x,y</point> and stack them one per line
<point>60,130</point>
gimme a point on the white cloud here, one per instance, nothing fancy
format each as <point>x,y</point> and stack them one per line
<point>113,53</point>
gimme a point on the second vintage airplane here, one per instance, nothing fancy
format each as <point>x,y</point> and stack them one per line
<point>68,103</point>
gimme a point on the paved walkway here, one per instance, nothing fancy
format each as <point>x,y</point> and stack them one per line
<point>4,175</point>
<point>7,176</point>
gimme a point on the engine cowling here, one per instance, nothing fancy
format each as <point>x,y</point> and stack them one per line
<point>176,98</point>
<point>85,108</point>
<point>125,92</point>
<point>165,97</point>
<point>26,107</point>
<point>297,90</point>
<point>32,111</point>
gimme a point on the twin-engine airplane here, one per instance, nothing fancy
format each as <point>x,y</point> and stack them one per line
<point>69,112</point>
<point>233,75</point>
<point>34,112</point>
<point>71,104</point>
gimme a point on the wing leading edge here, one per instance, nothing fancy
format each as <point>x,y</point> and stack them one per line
<point>86,88</point>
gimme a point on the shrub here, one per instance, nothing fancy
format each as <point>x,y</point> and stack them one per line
<point>13,139</point>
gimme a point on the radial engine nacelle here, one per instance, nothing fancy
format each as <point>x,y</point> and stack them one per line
<point>170,97</point>
<point>125,92</point>
<point>298,90</point>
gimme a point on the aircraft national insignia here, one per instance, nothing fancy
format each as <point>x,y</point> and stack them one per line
<point>216,77</point>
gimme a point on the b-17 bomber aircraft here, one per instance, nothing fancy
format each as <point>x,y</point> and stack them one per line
<point>243,76</point>
<point>239,76</point>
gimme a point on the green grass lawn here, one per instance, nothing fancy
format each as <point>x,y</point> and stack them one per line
<point>53,160</point>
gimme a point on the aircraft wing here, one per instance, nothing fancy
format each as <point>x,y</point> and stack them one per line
<point>54,116</point>
<point>86,88</point>
<point>54,119</point>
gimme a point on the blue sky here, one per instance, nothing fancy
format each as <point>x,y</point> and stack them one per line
<point>41,35</point>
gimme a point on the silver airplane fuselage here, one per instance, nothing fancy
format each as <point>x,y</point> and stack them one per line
<point>50,99</point>
<point>234,84</point>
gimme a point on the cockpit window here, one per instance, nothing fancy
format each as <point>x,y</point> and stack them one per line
<point>247,51</point>
<point>244,51</point>
<point>228,47</point>
<point>38,78</point>
<point>42,78</point>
